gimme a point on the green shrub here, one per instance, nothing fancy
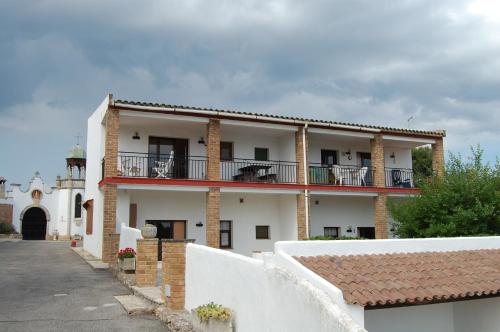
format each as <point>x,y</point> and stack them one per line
<point>6,228</point>
<point>322,237</point>
<point>212,310</point>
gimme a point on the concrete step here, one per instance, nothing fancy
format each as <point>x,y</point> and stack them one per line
<point>135,305</point>
<point>151,294</point>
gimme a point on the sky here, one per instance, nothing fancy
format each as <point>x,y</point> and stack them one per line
<point>420,64</point>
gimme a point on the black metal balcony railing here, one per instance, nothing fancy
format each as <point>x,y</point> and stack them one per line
<point>249,170</point>
<point>133,164</point>
<point>399,177</point>
<point>340,175</point>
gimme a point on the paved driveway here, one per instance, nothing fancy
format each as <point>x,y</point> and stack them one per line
<point>44,286</point>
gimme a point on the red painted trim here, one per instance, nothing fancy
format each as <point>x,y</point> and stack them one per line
<point>259,185</point>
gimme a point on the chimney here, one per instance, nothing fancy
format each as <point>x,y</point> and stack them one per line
<point>2,187</point>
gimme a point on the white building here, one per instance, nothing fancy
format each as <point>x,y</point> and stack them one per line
<point>40,211</point>
<point>241,181</point>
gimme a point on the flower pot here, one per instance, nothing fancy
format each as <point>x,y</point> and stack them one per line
<point>126,264</point>
<point>148,231</point>
<point>212,325</point>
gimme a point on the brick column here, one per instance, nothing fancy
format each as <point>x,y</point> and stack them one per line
<point>438,157</point>
<point>299,155</point>
<point>146,262</point>
<point>381,224</point>
<point>109,249</point>
<point>213,217</point>
<point>110,246</point>
<point>301,217</point>
<point>174,273</point>
<point>213,150</point>
<point>378,161</point>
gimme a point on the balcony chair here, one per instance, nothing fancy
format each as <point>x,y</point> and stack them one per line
<point>337,172</point>
<point>162,169</point>
<point>362,175</point>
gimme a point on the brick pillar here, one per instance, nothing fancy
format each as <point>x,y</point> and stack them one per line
<point>109,249</point>
<point>110,246</point>
<point>299,155</point>
<point>213,150</point>
<point>174,273</point>
<point>381,224</point>
<point>213,217</point>
<point>146,262</point>
<point>378,161</point>
<point>438,157</point>
<point>6,213</point>
<point>301,217</point>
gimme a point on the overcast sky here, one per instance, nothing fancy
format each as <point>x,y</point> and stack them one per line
<point>373,62</point>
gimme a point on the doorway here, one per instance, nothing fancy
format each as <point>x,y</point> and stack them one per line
<point>159,150</point>
<point>34,224</point>
<point>168,229</point>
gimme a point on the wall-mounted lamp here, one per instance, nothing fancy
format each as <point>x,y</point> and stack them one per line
<point>136,136</point>
<point>348,154</point>
<point>242,200</point>
<point>199,224</point>
<point>349,229</point>
<point>393,157</point>
<point>202,141</point>
<point>316,202</point>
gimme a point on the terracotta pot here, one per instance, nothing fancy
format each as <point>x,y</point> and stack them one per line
<point>148,231</point>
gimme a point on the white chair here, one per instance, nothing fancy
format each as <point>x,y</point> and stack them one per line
<point>163,168</point>
<point>362,174</point>
<point>337,172</point>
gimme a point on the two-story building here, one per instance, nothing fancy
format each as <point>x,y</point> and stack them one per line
<point>241,181</point>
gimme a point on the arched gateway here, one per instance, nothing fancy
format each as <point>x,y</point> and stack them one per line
<point>34,224</point>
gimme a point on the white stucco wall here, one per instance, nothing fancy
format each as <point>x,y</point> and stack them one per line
<point>171,205</point>
<point>95,152</point>
<point>129,237</point>
<point>275,210</point>
<point>367,247</point>
<point>341,211</point>
<point>428,318</point>
<point>477,315</point>
<point>263,297</point>
<point>22,199</point>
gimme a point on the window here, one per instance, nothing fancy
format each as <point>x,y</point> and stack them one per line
<point>78,206</point>
<point>365,159</point>
<point>366,232</point>
<point>331,231</point>
<point>262,232</point>
<point>329,157</point>
<point>226,229</point>
<point>226,150</point>
<point>262,154</point>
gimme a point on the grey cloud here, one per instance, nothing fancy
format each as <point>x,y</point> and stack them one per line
<point>376,62</point>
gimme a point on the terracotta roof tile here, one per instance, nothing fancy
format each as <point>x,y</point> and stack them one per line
<point>319,122</point>
<point>410,278</point>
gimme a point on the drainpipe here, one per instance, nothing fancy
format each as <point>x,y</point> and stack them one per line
<point>306,179</point>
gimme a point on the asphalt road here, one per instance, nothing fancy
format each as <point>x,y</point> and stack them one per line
<point>44,286</point>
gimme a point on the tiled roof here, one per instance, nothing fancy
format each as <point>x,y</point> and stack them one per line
<point>281,117</point>
<point>410,278</point>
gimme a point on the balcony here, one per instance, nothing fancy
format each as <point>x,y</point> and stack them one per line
<point>399,178</point>
<point>249,170</point>
<point>340,175</point>
<point>168,166</point>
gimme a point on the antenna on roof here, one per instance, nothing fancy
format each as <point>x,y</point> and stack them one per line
<point>409,120</point>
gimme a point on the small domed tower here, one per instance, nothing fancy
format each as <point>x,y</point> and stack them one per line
<point>75,162</point>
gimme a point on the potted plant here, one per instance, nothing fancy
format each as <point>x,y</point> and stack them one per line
<point>126,259</point>
<point>212,317</point>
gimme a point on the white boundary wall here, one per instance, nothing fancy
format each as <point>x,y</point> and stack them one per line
<point>129,237</point>
<point>368,247</point>
<point>263,297</point>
